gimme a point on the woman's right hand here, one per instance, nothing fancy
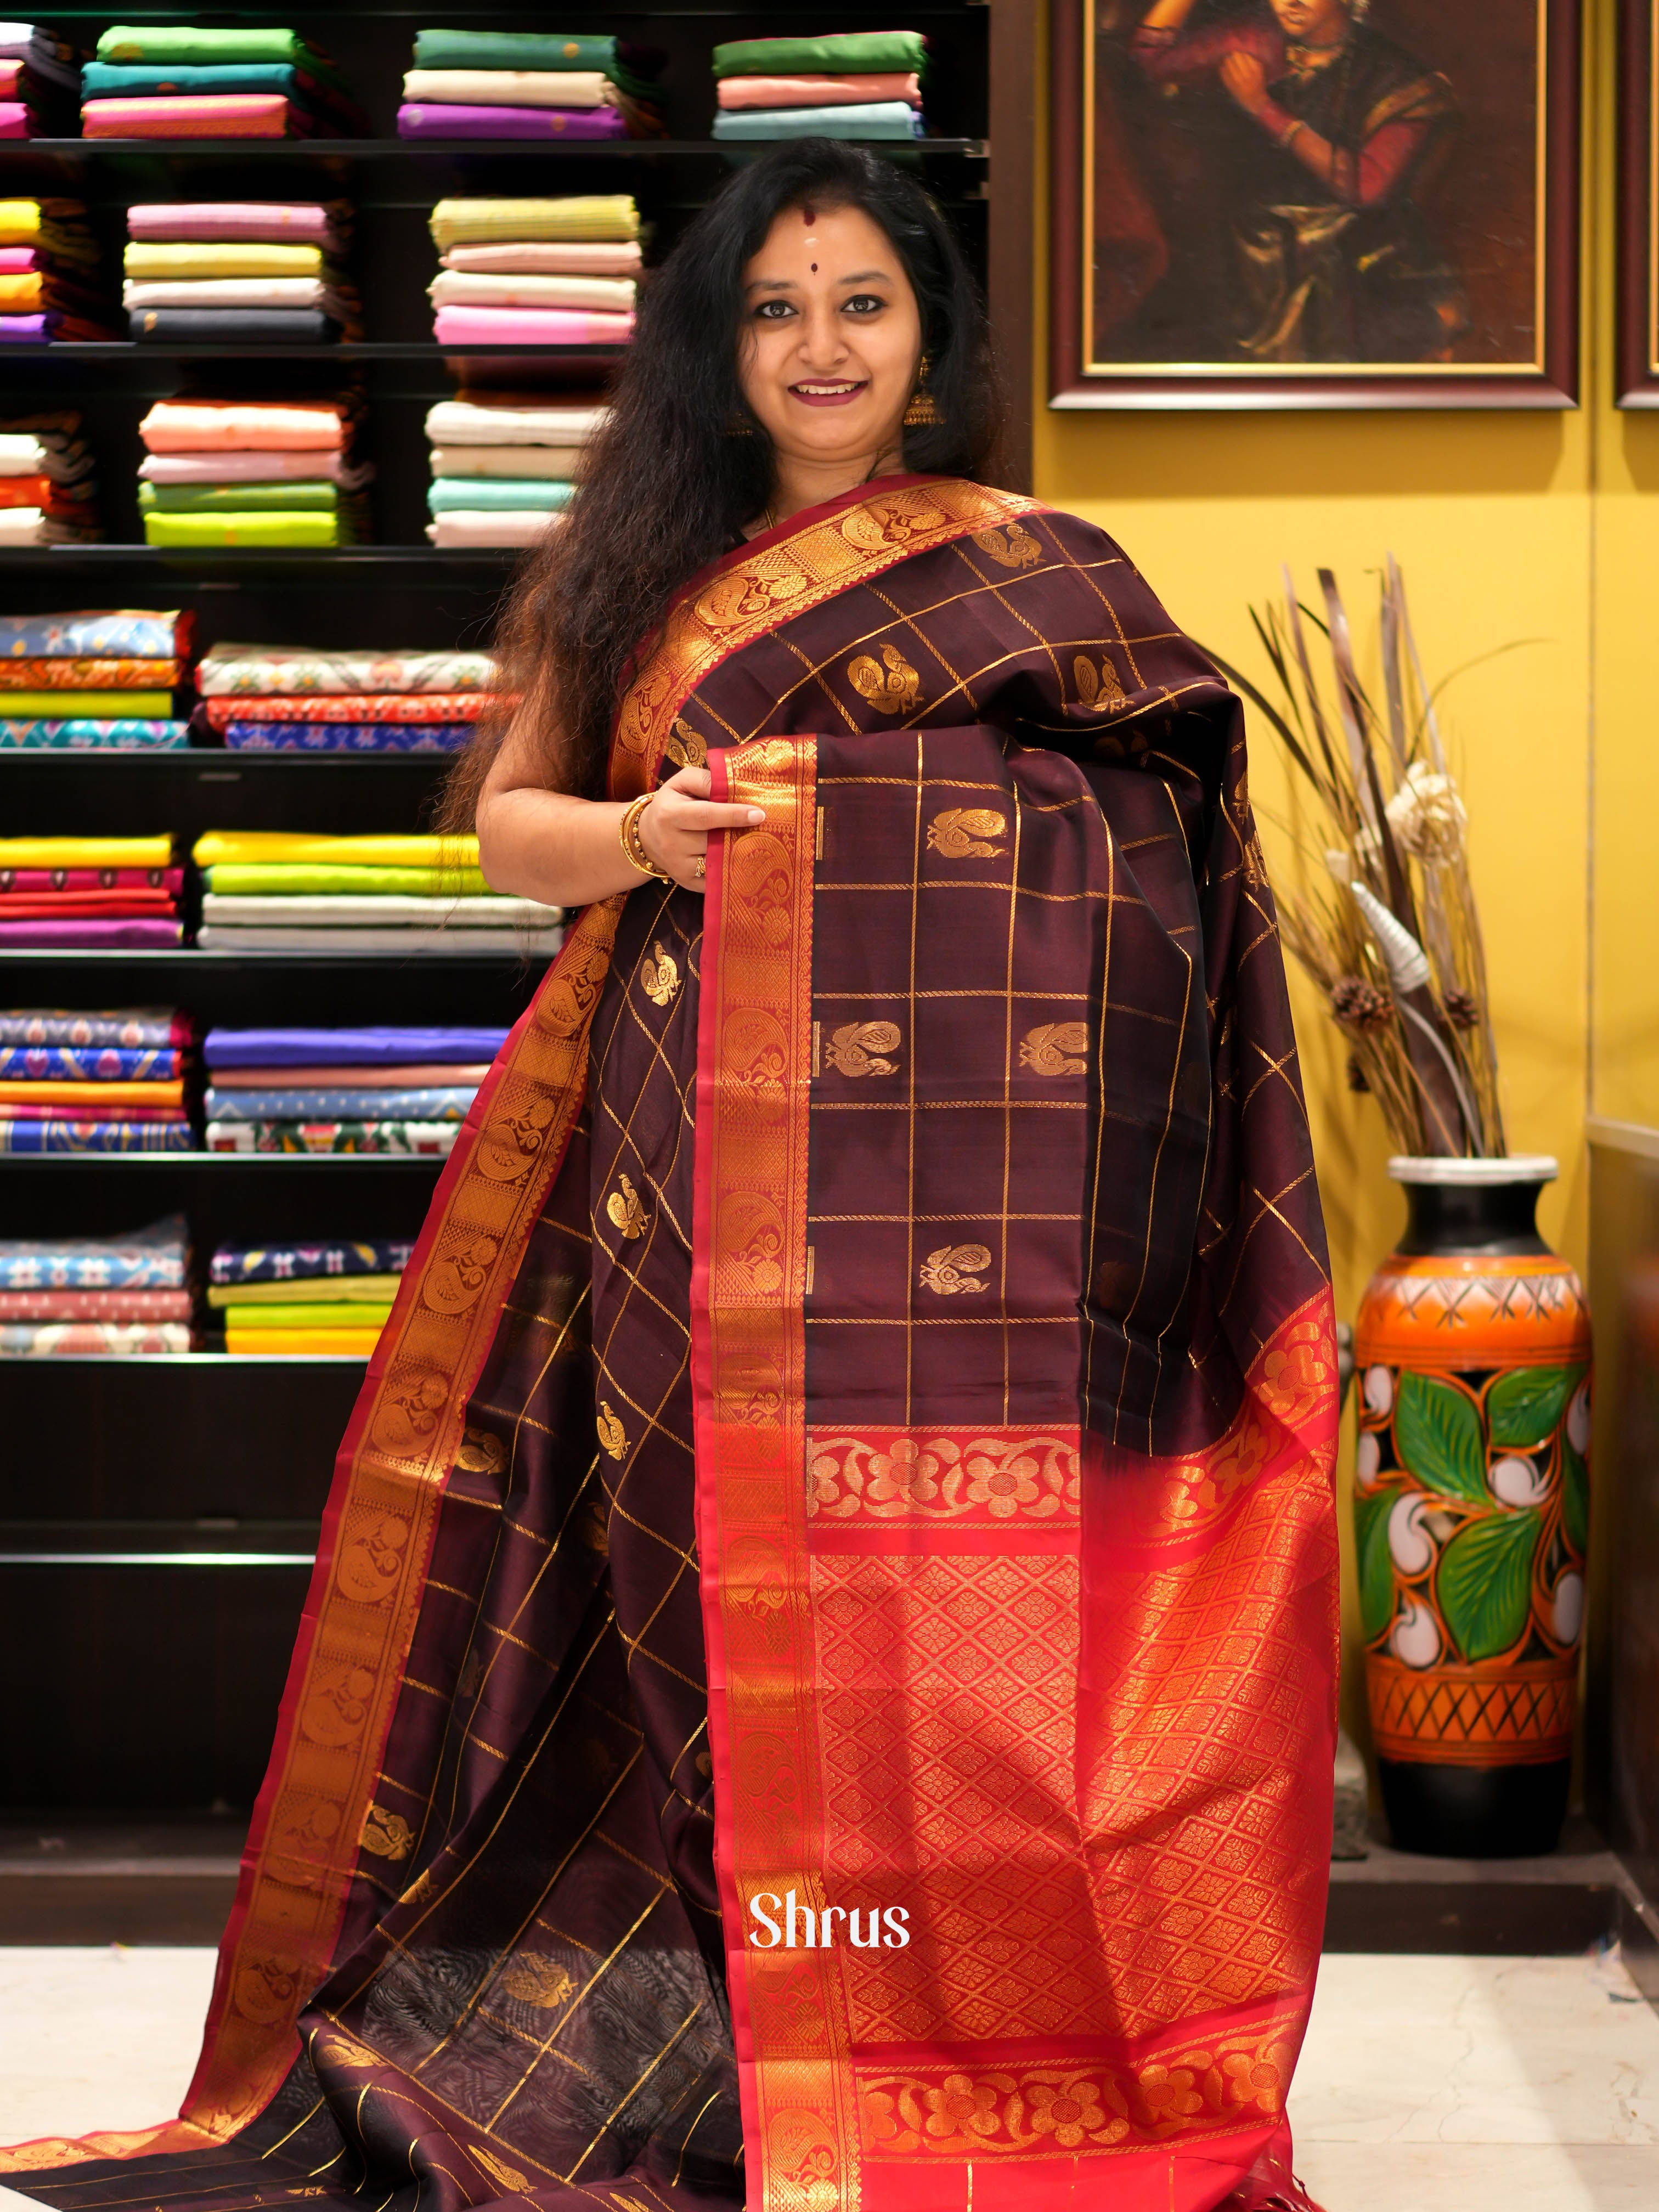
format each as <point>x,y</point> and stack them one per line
<point>675,828</point>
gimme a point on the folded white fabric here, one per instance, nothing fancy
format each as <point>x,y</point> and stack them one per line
<point>216,937</point>
<point>239,292</point>
<point>44,454</point>
<point>465,287</point>
<point>255,468</point>
<point>351,909</point>
<point>530,257</point>
<point>539,462</point>
<point>226,670</point>
<point>462,423</point>
<point>30,526</point>
<point>505,525</point>
<point>467,87</point>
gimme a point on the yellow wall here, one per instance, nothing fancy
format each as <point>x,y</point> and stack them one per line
<point>1508,526</point>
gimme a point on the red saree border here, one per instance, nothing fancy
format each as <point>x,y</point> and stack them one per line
<point>346,1675</point>
<point>748,1346</point>
<point>784,572</point>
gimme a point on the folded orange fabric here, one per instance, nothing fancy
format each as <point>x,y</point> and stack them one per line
<point>90,1094</point>
<point>19,294</point>
<point>24,491</point>
<point>200,426</point>
<point>82,675</point>
<point>192,115</point>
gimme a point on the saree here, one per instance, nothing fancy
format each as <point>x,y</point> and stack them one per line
<point>819,1683</point>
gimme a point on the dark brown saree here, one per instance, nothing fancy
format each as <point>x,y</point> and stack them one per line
<point>850,1459</point>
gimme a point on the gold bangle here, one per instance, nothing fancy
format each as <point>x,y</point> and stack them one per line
<point>628,830</point>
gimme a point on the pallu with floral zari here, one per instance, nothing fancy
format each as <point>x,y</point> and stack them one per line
<point>819,1688</point>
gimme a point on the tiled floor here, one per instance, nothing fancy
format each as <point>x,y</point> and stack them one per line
<point>1427,2085</point>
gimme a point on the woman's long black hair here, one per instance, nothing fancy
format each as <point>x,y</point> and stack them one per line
<point>665,487</point>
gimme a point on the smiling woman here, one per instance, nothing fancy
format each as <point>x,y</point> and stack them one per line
<point>854,1436</point>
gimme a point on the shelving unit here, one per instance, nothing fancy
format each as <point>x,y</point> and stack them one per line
<point>136,1495</point>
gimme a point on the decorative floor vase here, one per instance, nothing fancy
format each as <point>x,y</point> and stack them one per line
<point>1472,1511</point>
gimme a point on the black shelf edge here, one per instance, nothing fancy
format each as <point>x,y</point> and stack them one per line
<point>217,557</point>
<point>220,1161</point>
<point>187,1359</point>
<point>491,150</point>
<point>220,757</point>
<point>126,352</point>
<point>191,959</point>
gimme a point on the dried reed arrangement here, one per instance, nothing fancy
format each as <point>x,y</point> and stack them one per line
<point>1385,922</point>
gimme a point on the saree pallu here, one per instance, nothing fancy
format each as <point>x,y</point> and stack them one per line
<point>850,1459</point>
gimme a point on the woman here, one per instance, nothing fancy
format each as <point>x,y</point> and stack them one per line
<point>1337,128</point>
<point>832,1567</point>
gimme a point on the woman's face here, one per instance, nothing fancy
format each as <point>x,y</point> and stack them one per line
<point>831,336</point>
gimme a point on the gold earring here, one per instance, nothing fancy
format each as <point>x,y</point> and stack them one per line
<point>924,408</point>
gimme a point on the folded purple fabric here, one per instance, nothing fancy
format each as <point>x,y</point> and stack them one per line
<point>364,1048</point>
<point>32,327</point>
<point>90,936</point>
<point>425,120</point>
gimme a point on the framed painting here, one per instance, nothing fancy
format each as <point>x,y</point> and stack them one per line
<point>1638,202</point>
<point>1315,203</point>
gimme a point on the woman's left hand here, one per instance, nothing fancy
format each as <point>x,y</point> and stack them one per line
<point>676,827</point>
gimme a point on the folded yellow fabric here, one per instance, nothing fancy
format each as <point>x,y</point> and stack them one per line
<point>94,706</point>
<point>230,258</point>
<point>463,222</point>
<point>90,1094</point>
<point>20,221</point>
<point>316,1314</point>
<point>217,846</point>
<point>304,1343</point>
<point>85,852</point>
<point>307,1289</point>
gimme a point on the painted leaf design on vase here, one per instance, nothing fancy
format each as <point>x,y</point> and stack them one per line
<point>1484,1582</point>
<point>1376,1569</point>
<point>1525,1405</point>
<point>1575,1498</point>
<point>1437,1432</point>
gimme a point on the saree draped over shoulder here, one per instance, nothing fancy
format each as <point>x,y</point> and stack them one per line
<point>818,1687</point>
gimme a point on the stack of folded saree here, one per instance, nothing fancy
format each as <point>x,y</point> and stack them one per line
<point>49,287</point>
<point>54,897</point>
<point>850,84</point>
<point>98,682</point>
<point>39,77</point>
<point>94,1083</point>
<point>312,1300</point>
<point>277,891</point>
<point>504,463</point>
<point>511,274</point>
<point>530,85</point>
<point>94,1294</point>
<point>342,1089</point>
<point>282,473</point>
<point>296,698</point>
<point>47,492</point>
<point>183,81</point>
<point>265,271</point>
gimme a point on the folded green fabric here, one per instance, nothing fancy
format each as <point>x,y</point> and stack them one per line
<point>888,118</point>
<point>302,878</point>
<point>307,1289</point>
<point>838,53</point>
<point>114,79</point>
<point>475,493</point>
<point>190,43</point>
<point>239,499</point>
<point>244,527</point>
<point>527,49</point>
<point>336,1314</point>
<point>95,706</point>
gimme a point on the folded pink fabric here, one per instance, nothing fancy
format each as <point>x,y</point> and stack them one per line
<point>548,257</point>
<point>567,326</point>
<point>14,119</point>
<point>18,261</point>
<point>90,935</point>
<point>195,115</point>
<point>425,120</point>
<point>818,91</point>
<point>202,426</point>
<point>260,221</point>
<point>311,467</point>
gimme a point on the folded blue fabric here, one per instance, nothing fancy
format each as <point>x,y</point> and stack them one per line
<point>879,118</point>
<point>449,1105</point>
<point>151,1259</point>
<point>78,1063</point>
<point>448,494</point>
<point>128,80</point>
<point>357,1047</point>
<point>346,737</point>
<point>78,735</point>
<point>97,1137</point>
<point>127,633</point>
<point>276,1263</point>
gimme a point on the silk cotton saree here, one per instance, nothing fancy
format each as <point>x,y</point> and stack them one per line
<point>819,1688</point>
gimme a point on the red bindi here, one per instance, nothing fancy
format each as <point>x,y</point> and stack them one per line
<point>809,217</point>
<point>815,268</point>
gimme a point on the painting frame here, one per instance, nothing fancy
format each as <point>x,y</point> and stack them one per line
<point>1548,381</point>
<point>1638,308</point>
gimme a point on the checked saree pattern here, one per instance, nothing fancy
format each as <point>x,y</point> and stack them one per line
<point>858,1423</point>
